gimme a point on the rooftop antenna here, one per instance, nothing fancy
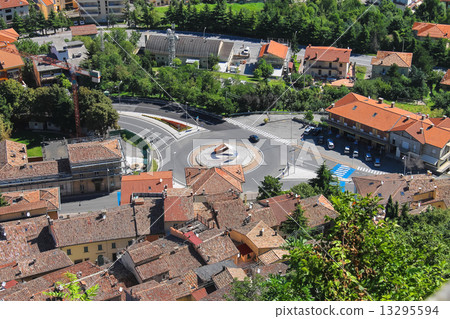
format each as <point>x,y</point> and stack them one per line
<point>171,38</point>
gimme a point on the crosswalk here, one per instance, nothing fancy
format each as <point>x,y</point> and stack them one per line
<point>370,171</point>
<point>342,171</point>
<point>259,132</point>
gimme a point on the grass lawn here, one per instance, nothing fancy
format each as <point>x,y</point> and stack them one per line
<point>33,140</point>
<point>239,77</point>
<point>154,165</point>
<point>360,72</point>
<point>236,7</point>
<point>425,109</point>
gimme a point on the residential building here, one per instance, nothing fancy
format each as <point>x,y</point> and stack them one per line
<point>159,3</point>
<point>323,62</point>
<point>110,289</point>
<point>255,239</point>
<point>11,61</point>
<point>445,82</point>
<point>190,49</point>
<point>66,5</point>
<point>46,6</point>
<point>27,250</point>
<point>101,10</point>
<point>435,31</point>
<point>393,130</point>
<point>215,180</point>
<point>170,290</point>
<point>276,54</point>
<point>416,190</point>
<point>84,30</point>
<point>100,236</point>
<point>151,182</point>
<point>31,203</point>
<point>384,60</point>
<point>9,35</point>
<point>177,211</point>
<point>9,7</point>
<point>227,276</point>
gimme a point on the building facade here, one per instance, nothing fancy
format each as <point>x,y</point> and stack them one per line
<point>382,63</point>
<point>9,7</point>
<point>322,62</point>
<point>101,10</point>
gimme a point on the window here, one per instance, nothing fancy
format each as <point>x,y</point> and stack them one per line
<point>100,247</point>
<point>113,245</point>
<point>329,65</point>
<point>149,188</point>
<point>69,252</point>
<point>86,249</point>
<point>61,187</point>
<point>81,188</point>
<point>114,256</point>
<point>86,259</point>
<point>329,72</point>
<point>340,65</point>
<point>78,261</point>
<point>320,72</point>
<point>130,242</point>
<point>7,10</point>
<point>96,173</point>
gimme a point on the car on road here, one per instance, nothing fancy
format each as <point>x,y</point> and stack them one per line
<point>377,162</point>
<point>316,131</point>
<point>330,144</point>
<point>254,138</point>
<point>347,150</point>
<point>368,157</point>
<point>355,153</point>
<point>321,139</point>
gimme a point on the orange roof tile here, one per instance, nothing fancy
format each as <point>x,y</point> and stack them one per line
<point>274,48</point>
<point>178,208</point>
<point>48,2</point>
<point>446,79</point>
<point>11,152</point>
<point>389,58</point>
<point>88,29</point>
<point>144,183</point>
<point>9,35</point>
<point>4,4</point>
<point>49,195</point>
<point>433,30</point>
<point>212,179</point>
<point>8,59</point>
<point>327,54</point>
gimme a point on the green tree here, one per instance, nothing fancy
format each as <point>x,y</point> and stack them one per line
<point>5,127</point>
<point>3,24</point>
<point>213,60</point>
<point>3,202</point>
<point>270,187</point>
<point>297,222</point>
<point>325,182</point>
<point>265,68</point>
<point>304,190</point>
<point>72,290</point>
<point>309,116</point>
<point>18,23</point>
<point>391,208</point>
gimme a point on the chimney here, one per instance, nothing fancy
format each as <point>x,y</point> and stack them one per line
<point>275,233</point>
<point>160,180</point>
<point>315,56</point>
<point>392,104</point>
<point>423,116</point>
<point>332,105</point>
<point>421,130</point>
<point>261,232</point>
<point>267,203</point>
<point>380,100</point>
<point>408,117</point>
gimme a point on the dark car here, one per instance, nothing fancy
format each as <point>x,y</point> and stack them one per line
<point>254,138</point>
<point>317,131</point>
<point>321,139</point>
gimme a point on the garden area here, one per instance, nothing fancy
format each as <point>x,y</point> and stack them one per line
<point>33,140</point>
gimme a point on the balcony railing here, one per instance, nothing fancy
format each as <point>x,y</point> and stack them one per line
<point>360,131</point>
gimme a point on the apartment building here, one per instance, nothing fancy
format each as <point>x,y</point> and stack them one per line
<point>322,62</point>
<point>9,7</point>
<point>99,10</point>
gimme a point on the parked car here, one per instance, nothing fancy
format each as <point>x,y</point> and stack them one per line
<point>347,150</point>
<point>330,144</point>
<point>321,139</point>
<point>317,131</point>
<point>355,153</point>
<point>368,157</point>
<point>254,138</point>
<point>377,162</point>
<point>308,129</point>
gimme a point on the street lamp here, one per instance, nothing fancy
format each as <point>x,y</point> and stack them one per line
<point>107,179</point>
<point>118,87</point>
<point>404,165</point>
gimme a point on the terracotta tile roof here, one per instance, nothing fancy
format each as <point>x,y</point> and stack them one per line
<point>5,4</point>
<point>88,29</point>
<point>47,169</point>
<point>281,206</point>
<point>268,239</point>
<point>13,153</point>
<point>144,183</point>
<point>316,208</point>
<point>273,256</point>
<point>153,291</point>
<point>214,180</point>
<point>28,266</point>
<point>226,277</point>
<point>91,227</point>
<point>265,214</point>
<point>219,294</point>
<point>48,2</point>
<point>274,48</point>
<point>206,272</point>
<point>446,79</point>
<point>9,35</point>
<point>175,264</point>
<point>22,207</point>
<point>230,213</point>
<point>433,30</point>
<point>109,287</point>
<point>147,251</point>
<point>327,54</point>
<point>389,58</point>
<point>178,208</point>
<point>199,294</point>
<point>217,249</point>
<point>8,59</point>
<point>401,188</point>
<point>272,269</point>
<point>88,152</point>
<point>443,122</point>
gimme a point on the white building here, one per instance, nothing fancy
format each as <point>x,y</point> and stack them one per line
<point>98,10</point>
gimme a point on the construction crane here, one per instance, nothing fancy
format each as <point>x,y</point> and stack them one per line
<point>73,70</point>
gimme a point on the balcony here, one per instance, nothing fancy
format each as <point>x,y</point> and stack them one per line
<point>360,132</point>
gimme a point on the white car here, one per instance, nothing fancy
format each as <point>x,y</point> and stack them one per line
<point>330,144</point>
<point>355,153</point>
<point>347,150</point>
